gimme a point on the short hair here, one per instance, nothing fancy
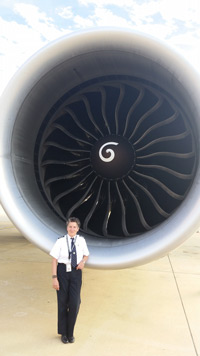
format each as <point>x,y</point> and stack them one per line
<point>73,219</point>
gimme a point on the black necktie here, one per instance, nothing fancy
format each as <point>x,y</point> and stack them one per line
<point>73,254</point>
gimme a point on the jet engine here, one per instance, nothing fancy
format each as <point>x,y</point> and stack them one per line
<point>103,125</point>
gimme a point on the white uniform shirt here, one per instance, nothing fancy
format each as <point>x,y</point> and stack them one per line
<point>60,249</point>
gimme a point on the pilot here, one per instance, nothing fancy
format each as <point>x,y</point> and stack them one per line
<point>70,254</point>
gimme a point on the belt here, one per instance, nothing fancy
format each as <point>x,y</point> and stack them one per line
<point>64,264</point>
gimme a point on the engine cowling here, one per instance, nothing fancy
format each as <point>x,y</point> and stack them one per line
<point>103,125</point>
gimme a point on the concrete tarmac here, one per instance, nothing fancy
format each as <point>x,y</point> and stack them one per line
<point>152,310</point>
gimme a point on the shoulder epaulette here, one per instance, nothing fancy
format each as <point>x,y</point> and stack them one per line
<point>60,237</point>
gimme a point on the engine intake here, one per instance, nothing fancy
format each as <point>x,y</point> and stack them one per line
<point>103,125</point>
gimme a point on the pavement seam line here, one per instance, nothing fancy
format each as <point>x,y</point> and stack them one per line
<point>184,310</point>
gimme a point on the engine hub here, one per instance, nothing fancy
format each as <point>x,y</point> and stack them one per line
<point>112,157</point>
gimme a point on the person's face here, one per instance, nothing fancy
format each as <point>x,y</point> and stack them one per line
<point>72,229</point>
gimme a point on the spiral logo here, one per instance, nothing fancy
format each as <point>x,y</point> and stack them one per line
<point>109,150</point>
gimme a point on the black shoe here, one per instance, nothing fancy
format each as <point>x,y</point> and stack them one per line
<point>64,339</point>
<point>71,339</point>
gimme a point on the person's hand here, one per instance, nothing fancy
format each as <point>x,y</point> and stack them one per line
<point>81,265</point>
<point>56,284</point>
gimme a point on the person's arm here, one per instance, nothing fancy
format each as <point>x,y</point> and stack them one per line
<point>81,265</point>
<point>55,282</point>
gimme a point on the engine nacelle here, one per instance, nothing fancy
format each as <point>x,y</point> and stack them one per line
<point>103,125</point>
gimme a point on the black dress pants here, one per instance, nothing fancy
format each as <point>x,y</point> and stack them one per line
<point>68,299</point>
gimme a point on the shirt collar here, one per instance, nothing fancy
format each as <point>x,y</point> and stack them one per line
<point>70,238</point>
